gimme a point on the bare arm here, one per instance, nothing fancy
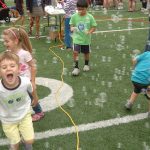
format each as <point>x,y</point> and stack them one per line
<point>33,75</point>
<point>134,61</point>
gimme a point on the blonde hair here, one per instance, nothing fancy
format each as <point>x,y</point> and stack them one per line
<point>8,55</point>
<point>21,35</point>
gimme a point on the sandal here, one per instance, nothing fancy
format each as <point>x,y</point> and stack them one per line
<point>37,36</point>
<point>30,33</point>
<point>37,116</point>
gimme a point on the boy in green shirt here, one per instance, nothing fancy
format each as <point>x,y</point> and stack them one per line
<point>82,25</point>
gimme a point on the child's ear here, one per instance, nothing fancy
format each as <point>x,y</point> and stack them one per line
<point>16,41</point>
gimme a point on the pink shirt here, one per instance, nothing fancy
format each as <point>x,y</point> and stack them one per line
<point>24,58</point>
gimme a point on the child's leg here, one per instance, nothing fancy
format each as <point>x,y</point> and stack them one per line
<point>144,4</point>
<point>39,114</point>
<point>31,24</point>
<point>86,58</point>
<point>37,108</point>
<point>37,26</point>
<point>76,70</point>
<point>76,59</point>
<point>86,66</point>
<point>133,5</point>
<point>129,5</point>
<point>27,131</point>
<point>106,4</point>
<point>28,146</point>
<point>130,102</point>
<point>133,97</point>
<point>14,147</point>
<point>12,133</point>
<point>22,20</point>
<point>148,108</point>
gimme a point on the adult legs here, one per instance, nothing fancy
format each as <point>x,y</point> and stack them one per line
<point>37,26</point>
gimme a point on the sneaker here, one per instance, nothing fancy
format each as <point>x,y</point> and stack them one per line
<point>128,105</point>
<point>37,116</point>
<point>148,114</point>
<point>62,48</point>
<point>76,71</point>
<point>86,68</point>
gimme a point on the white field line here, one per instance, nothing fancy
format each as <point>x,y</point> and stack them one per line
<point>91,126</point>
<point>85,127</point>
<point>120,30</point>
<point>122,19</point>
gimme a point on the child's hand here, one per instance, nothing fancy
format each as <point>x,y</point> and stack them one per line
<point>87,32</point>
<point>74,29</point>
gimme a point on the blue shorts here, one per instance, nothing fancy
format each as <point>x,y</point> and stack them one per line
<point>81,48</point>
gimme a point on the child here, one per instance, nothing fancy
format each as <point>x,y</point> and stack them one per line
<point>17,41</point>
<point>15,102</point>
<point>140,78</point>
<point>82,24</point>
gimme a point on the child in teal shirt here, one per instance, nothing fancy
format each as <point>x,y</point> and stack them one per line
<point>140,78</point>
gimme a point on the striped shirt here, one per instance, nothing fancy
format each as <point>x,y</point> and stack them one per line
<point>70,7</point>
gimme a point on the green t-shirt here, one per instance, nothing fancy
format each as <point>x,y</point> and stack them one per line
<point>82,24</point>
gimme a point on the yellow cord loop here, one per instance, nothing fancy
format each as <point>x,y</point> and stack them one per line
<point>58,92</point>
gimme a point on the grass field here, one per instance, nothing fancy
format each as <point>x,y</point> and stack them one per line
<point>97,104</point>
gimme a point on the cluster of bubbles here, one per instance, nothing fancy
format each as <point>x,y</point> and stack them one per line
<point>119,145</point>
<point>116,18</point>
<point>71,103</point>
<point>109,26</point>
<point>121,45</point>
<point>129,23</point>
<point>47,146</point>
<point>105,11</point>
<point>48,40</point>
<point>106,59</point>
<point>101,99</point>
<point>146,146</point>
<point>147,125</point>
<point>118,73</point>
<point>65,71</point>
<point>45,62</point>
<point>97,7</point>
<point>54,60</point>
<point>108,83</point>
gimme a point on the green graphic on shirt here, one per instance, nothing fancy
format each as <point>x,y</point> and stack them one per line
<point>14,99</point>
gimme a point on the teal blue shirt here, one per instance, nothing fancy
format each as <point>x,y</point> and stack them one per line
<point>141,73</point>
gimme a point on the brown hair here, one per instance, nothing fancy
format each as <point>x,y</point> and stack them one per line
<point>9,56</point>
<point>21,35</point>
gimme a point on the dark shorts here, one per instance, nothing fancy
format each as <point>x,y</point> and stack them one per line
<point>81,48</point>
<point>138,87</point>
